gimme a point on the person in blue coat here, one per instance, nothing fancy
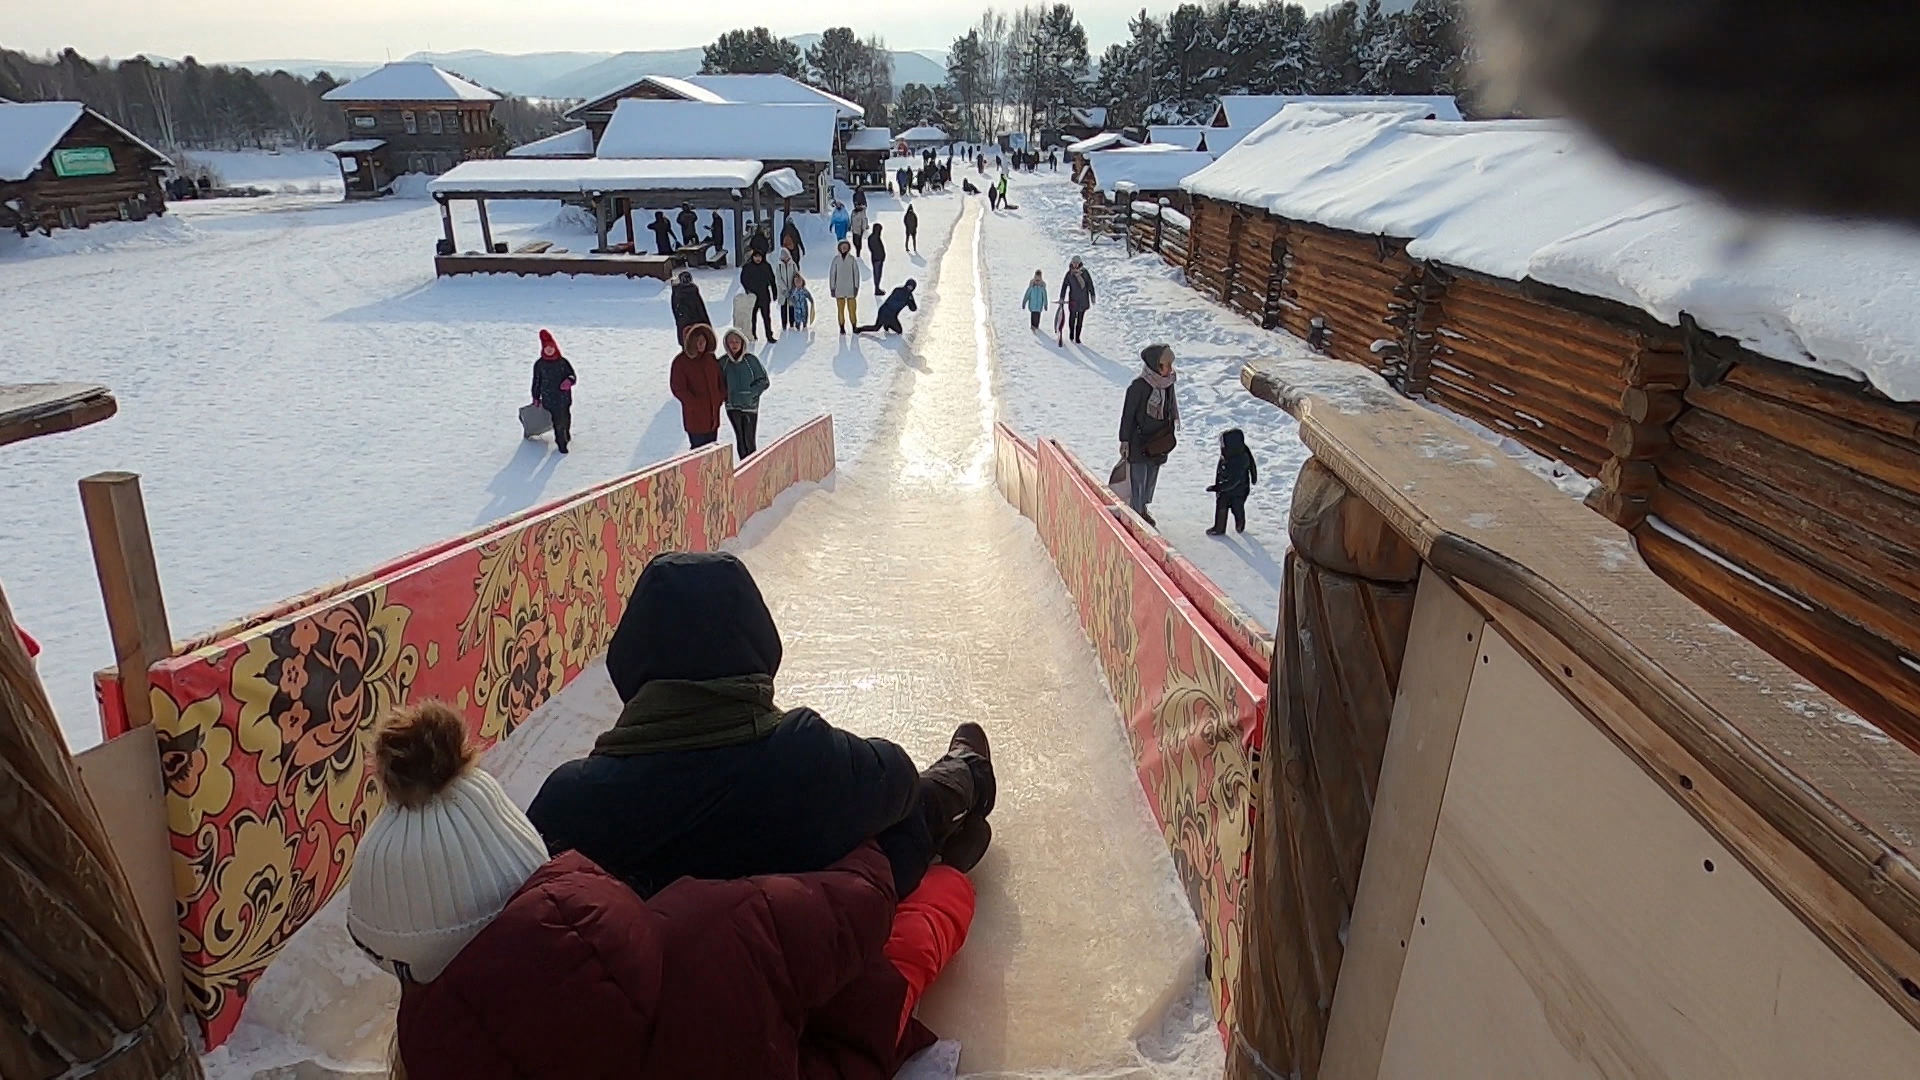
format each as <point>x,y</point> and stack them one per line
<point>1035,300</point>
<point>841,221</point>
<point>889,316</point>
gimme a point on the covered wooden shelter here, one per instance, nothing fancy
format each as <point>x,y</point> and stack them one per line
<point>612,190</point>
<point>867,151</point>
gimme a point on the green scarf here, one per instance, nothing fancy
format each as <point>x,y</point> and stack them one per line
<point>675,714</point>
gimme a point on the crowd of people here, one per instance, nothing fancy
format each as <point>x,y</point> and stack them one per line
<point>719,888</point>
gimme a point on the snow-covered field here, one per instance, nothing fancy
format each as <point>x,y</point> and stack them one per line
<point>1074,393</point>
<point>287,172</point>
<point>303,399</point>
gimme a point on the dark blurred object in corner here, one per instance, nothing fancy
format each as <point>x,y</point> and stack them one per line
<point>1775,104</point>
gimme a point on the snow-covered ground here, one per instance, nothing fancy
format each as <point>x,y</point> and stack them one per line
<point>304,399</point>
<point>287,172</point>
<point>1074,393</point>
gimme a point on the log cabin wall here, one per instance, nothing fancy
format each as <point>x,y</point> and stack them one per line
<point>1255,285</point>
<point>1787,503</point>
<point>49,201</point>
<point>1337,291</point>
<point>1210,256</point>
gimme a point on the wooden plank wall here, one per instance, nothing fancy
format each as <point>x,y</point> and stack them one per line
<point>1211,255</point>
<point>1338,289</point>
<point>1254,289</point>
<point>1806,490</point>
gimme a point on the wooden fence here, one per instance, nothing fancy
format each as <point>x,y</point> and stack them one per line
<point>1784,501</point>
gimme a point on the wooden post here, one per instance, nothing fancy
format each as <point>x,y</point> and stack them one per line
<point>446,223</point>
<point>739,236</point>
<point>1346,610</point>
<point>1656,381</point>
<point>486,229</point>
<point>129,584</point>
<point>626,206</point>
<point>599,222</point>
<point>77,966</point>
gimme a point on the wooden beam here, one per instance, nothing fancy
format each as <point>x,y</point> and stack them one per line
<point>446,225</point>
<point>600,222</point>
<point>739,238</point>
<point>129,583</point>
<point>486,228</point>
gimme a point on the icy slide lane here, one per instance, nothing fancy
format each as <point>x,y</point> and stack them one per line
<point>911,597</point>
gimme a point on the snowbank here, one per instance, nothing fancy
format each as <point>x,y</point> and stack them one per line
<point>1523,199</point>
<point>285,171</point>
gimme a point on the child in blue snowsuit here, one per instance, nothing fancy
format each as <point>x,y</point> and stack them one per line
<point>841,221</point>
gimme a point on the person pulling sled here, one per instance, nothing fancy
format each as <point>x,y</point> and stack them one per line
<point>553,380</point>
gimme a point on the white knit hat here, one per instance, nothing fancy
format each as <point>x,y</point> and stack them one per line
<point>428,878</point>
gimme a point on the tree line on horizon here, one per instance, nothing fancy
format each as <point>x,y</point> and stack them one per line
<point>1026,69</point>
<point>193,106</point>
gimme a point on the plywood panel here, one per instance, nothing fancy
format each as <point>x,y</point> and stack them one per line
<point>1441,649</point>
<point>1575,921</point>
<point>122,777</point>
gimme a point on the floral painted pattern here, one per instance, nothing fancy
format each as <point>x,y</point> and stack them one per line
<point>1191,702</point>
<point>265,732</point>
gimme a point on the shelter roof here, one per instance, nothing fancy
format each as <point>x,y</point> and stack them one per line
<point>410,80</point>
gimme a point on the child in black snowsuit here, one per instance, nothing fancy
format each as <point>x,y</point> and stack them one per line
<point>1233,479</point>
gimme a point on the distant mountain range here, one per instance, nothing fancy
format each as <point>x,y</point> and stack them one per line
<point>582,74</point>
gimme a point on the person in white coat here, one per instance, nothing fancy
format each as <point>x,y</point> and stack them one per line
<point>843,282</point>
<point>859,226</point>
<point>786,267</point>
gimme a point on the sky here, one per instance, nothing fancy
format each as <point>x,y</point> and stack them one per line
<point>228,30</point>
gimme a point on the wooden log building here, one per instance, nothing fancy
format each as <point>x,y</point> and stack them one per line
<point>1784,501</point>
<point>65,166</point>
<point>410,117</point>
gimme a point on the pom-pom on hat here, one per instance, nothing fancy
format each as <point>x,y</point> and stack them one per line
<point>444,857</point>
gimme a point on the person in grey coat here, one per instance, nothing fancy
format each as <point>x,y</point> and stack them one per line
<point>1147,425</point>
<point>1076,292</point>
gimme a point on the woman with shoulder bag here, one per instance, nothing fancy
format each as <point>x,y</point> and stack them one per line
<point>1147,426</point>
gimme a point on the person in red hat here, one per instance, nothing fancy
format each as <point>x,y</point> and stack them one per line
<point>553,389</point>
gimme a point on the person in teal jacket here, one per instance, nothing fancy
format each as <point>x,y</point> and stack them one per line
<point>1036,299</point>
<point>746,380</point>
<point>841,222</point>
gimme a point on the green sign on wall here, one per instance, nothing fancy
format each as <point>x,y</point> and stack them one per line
<point>83,161</point>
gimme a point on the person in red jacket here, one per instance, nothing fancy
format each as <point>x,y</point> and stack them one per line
<point>515,966</point>
<point>697,381</point>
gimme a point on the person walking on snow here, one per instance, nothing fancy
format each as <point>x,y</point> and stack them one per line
<point>790,238</point>
<point>689,223</point>
<point>689,307</point>
<point>514,965</point>
<point>704,776</point>
<point>1003,189</point>
<point>1233,480</point>
<point>888,317</point>
<point>843,284</point>
<point>1035,300</point>
<point>1148,419</point>
<point>696,381</point>
<point>911,223</point>
<point>786,270</point>
<point>858,225</point>
<point>662,234</point>
<point>840,221</point>
<point>1076,291</point>
<point>716,233</point>
<point>877,254</point>
<point>746,380</point>
<point>756,278</point>
<point>553,389</point>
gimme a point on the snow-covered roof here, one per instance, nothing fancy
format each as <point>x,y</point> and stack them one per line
<point>572,143</point>
<point>1521,199</point>
<point>1092,117</point>
<point>687,91</point>
<point>774,90</point>
<point>356,146</point>
<point>1251,110</point>
<point>870,139</point>
<point>1103,141</point>
<point>784,182</point>
<point>1145,168</point>
<point>925,133</point>
<point>564,176</point>
<point>29,132</point>
<point>698,129</point>
<point>410,80</point>
<point>1219,140</point>
<point>1184,136</point>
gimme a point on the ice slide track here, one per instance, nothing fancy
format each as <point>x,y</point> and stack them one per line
<point>911,597</point>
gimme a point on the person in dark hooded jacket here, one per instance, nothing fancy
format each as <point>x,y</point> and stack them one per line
<point>662,234</point>
<point>889,314</point>
<point>553,389</point>
<point>689,307</point>
<point>1233,481</point>
<point>703,776</point>
<point>689,223</point>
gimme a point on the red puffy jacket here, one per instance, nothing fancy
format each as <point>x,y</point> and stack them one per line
<point>696,380</point>
<point>769,978</point>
